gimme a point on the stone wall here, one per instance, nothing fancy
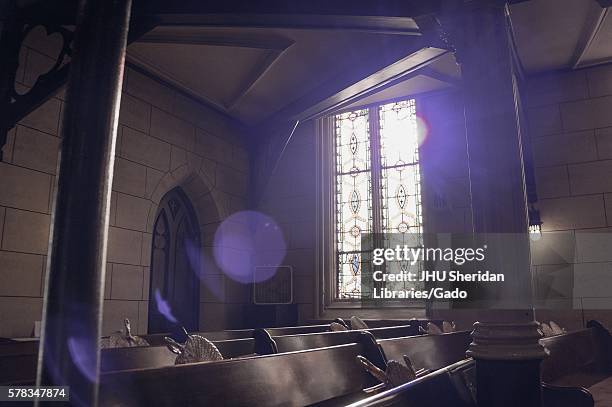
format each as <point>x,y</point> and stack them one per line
<point>287,194</point>
<point>571,136</point>
<point>164,139</point>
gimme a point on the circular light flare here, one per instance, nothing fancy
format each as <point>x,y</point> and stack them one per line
<point>245,240</point>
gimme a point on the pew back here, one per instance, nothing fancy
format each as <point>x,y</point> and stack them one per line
<point>272,380</point>
<point>451,386</point>
<point>18,360</point>
<point>428,351</point>
<point>142,357</point>
<point>292,343</point>
<point>382,323</point>
<point>158,339</point>
<point>578,358</point>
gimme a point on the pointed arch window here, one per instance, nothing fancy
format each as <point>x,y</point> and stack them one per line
<point>174,289</point>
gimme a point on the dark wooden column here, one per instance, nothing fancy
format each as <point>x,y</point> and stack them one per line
<point>505,339</point>
<point>72,319</point>
<point>10,43</point>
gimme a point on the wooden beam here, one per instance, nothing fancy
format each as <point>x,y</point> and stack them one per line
<point>374,25</point>
<point>69,352</point>
<point>396,81</point>
<point>595,21</point>
<point>385,16</point>
<point>380,16</point>
<point>254,76</point>
<point>383,8</point>
<point>432,73</point>
<point>347,87</point>
<point>225,38</point>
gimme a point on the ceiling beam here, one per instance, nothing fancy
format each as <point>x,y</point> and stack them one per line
<point>347,87</point>
<point>380,16</point>
<point>383,16</point>
<point>437,75</point>
<point>364,8</point>
<point>224,38</point>
<point>594,22</point>
<point>373,25</point>
<point>258,71</point>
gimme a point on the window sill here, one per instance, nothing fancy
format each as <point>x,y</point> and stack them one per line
<point>385,311</point>
<point>359,305</point>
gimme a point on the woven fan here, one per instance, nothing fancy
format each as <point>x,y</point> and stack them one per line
<point>432,329</point>
<point>123,339</point>
<point>395,373</point>
<point>337,327</point>
<point>195,349</point>
<point>546,330</point>
<point>448,327</point>
<point>357,323</point>
<point>556,329</point>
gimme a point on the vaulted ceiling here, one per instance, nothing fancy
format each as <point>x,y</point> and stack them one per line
<point>256,73</point>
<point>562,34</point>
<point>251,73</point>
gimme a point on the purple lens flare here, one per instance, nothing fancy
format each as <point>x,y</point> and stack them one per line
<point>245,240</point>
<point>163,307</point>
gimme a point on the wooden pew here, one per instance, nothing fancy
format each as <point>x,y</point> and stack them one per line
<point>382,323</point>
<point>580,360</point>
<point>292,343</point>
<point>456,386</point>
<point>449,386</point>
<point>158,339</point>
<point>430,352</point>
<point>18,360</point>
<point>329,375</point>
<point>158,356</point>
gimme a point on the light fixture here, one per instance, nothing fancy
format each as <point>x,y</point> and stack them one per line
<point>535,223</point>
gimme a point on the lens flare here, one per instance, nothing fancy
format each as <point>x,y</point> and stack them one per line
<point>422,130</point>
<point>245,240</point>
<point>163,307</point>
<point>82,357</point>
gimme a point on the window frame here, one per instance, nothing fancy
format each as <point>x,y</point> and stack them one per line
<point>325,252</point>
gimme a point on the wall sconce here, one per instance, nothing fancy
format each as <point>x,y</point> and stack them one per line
<point>535,223</point>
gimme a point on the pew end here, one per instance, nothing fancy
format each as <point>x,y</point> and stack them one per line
<point>565,396</point>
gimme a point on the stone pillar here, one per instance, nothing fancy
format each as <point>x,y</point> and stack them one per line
<point>72,317</point>
<point>505,338</point>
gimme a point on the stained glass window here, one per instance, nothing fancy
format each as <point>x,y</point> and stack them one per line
<point>377,186</point>
<point>353,198</point>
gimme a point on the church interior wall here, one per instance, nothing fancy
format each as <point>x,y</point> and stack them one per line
<point>570,129</point>
<point>165,139</point>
